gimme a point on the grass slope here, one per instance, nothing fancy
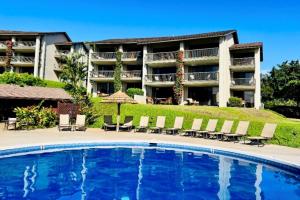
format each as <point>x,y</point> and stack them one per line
<point>287,132</point>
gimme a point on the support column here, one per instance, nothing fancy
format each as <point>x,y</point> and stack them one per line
<point>257,93</point>
<point>37,56</point>
<point>144,70</point>
<point>43,60</point>
<point>224,70</point>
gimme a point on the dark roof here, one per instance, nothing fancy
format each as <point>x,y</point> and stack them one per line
<point>10,32</point>
<point>252,45</point>
<point>71,43</point>
<point>32,93</point>
<point>169,38</point>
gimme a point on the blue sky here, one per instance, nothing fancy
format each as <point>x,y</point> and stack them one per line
<point>274,22</point>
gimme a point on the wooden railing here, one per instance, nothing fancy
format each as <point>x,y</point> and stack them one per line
<point>24,44</point>
<point>161,56</point>
<point>199,53</point>
<point>243,81</point>
<point>201,76</point>
<point>160,77</point>
<point>22,59</point>
<point>131,74</point>
<point>102,74</point>
<point>243,61</point>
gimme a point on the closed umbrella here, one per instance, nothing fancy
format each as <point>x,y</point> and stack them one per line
<point>119,98</point>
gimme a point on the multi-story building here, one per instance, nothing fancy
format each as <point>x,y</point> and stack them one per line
<point>216,67</point>
<point>37,52</point>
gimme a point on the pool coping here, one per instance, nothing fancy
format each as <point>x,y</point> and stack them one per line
<point>252,157</point>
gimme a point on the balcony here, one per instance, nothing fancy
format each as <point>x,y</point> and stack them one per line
<point>3,45</point>
<point>61,53</point>
<point>201,56</point>
<point>103,57</point>
<point>161,59</point>
<point>131,76</point>
<point>161,80</point>
<point>22,61</point>
<point>242,64</point>
<point>2,60</point>
<point>201,79</point>
<point>24,46</point>
<point>131,57</point>
<point>243,83</point>
<point>102,76</point>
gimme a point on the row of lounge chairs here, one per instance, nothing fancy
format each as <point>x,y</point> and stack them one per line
<point>210,132</point>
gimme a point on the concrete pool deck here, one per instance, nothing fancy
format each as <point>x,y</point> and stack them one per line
<point>14,139</point>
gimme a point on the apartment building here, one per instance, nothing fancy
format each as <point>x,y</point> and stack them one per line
<point>37,53</point>
<point>216,66</point>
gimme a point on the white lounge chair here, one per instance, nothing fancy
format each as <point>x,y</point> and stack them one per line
<point>177,126</point>
<point>211,127</point>
<point>64,122</point>
<point>143,126</point>
<point>80,123</point>
<point>160,125</point>
<point>195,127</point>
<point>266,134</point>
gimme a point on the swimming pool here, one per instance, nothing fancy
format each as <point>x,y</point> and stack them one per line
<point>140,172</point>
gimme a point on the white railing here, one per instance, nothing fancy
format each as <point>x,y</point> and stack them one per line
<point>199,53</point>
<point>103,55</point>
<point>62,52</point>
<point>160,77</point>
<point>161,56</point>
<point>201,76</point>
<point>2,58</point>
<point>131,74</point>
<point>243,81</point>
<point>24,44</point>
<point>243,61</point>
<point>22,59</point>
<point>3,44</point>
<point>131,55</point>
<point>102,74</point>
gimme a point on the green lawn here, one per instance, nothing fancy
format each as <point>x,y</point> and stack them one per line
<point>54,84</point>
<point>287,132</point>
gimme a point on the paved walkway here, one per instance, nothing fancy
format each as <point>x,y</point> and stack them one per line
<point>13,139</point>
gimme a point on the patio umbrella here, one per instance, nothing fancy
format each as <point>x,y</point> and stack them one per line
<point>119,98</point>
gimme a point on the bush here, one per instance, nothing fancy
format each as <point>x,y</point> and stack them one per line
<point>21,79</point>
<point>280,102</point>
<point>134,91</point>
<point>35,117</point>
<point>235,102</point>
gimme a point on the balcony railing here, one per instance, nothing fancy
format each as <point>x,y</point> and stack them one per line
<point>160,77</point>
<point>131,74</point>
<point>161,56</point>
<point>199,53</point>
<point>102,74</point>
<point>201,76</point>
<point>243,81</point>
<point>2,44</point>
<point>131,55</point>
<point>104,55</point>
<point>22,59</point>
<point>2,58</point>
<point>62,52</point>
<point>24,44</point>
<point>243,61</point>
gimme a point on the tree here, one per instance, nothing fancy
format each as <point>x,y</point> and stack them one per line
<point>178,87</point>
<point>74,73</point>
<point>117,72</point>
<point>293,91</point>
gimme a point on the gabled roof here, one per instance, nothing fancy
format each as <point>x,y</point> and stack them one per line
<point>71,43</point>
<point>168,38</point>
<point>16,33</point>
<point>32,93</point>
<point>252,45</point>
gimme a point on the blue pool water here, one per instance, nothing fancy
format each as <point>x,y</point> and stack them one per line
<point>141,173</point>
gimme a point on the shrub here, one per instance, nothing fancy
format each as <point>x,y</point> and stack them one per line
<point>134,91</point>
<point>21,79</point>
<point>35,117</point>
<point>280,102</point>
<point>235,102</point>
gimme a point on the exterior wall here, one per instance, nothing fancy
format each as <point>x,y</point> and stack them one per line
<point>257,93</point>
<point>224,70</point>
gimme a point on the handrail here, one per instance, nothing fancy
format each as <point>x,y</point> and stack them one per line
<point>24,59</point>
<point>243,81</point>
<point>201,76</point>
<point>131,74</point>
<point>103,55</point>
<point>160,77</point>
<point>24,44</point>
<point>243,61</point>
<point>198,53</point>
<point>2,58</point>
<point>102,74</point>
<point>62,52</point>
<point>161,56</point>
<point>2,43</point>
<point>131,55</point>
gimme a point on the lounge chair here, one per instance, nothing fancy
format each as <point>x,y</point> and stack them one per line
<point>144,122</point>
<point>11,122</point>
<point>266,134</point>
<point>241,132</point>
<point>195,127</point>
<point>108,124</point>
<point>211,127</point>
<point>226,128</point>
<point>80,123</point>
<point>177,126</point>
<point>160,125</point>
<point>64,122</point>
<point>127,126</point>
